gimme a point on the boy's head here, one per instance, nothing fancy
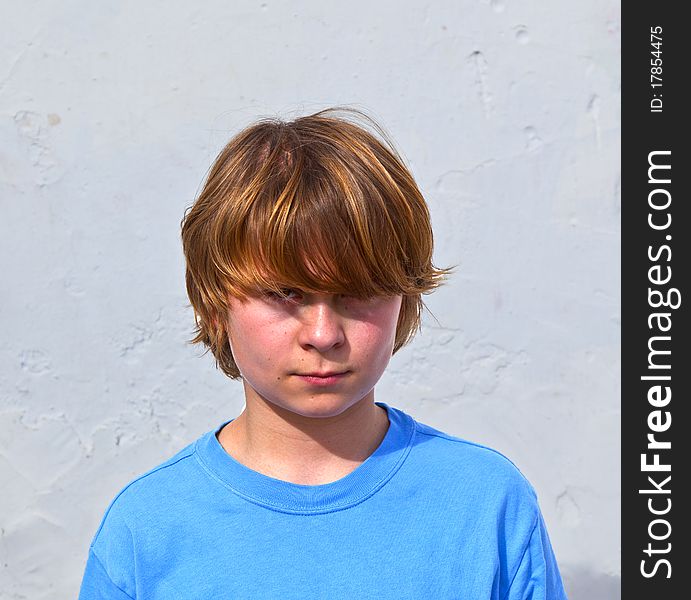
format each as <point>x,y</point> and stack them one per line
<point>319,204</point>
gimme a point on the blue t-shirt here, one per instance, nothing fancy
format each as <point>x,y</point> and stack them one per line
<point>427,515</point>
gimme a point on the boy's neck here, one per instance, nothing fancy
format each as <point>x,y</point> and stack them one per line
<point>304,450</point>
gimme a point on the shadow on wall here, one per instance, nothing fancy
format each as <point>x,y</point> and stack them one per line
<point>583,584</point>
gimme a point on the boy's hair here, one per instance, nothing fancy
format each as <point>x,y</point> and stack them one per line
<point>319,204</point>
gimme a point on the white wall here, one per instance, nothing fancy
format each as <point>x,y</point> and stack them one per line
<point>110,114</point>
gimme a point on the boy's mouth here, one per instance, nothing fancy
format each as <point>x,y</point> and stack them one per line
<point>324,374</point>
<point>322,378</point>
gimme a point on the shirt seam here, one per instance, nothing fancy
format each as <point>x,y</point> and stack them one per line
<point>469,443</point>
<point>139,478</point>
<point>260,502</point>
<point>520,562</point>
<point>93,552</point>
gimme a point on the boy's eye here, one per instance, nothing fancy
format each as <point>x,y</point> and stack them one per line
<point>292,296</point>
<point>284,295</point>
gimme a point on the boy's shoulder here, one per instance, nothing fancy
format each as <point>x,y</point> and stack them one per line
<point>461,462</point>
<point>161,483</point>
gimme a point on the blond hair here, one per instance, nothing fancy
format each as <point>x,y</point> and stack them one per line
<point>319,203</point>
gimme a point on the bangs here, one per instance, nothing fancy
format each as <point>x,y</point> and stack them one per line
<point>318,234</point>
<point>324,216</point>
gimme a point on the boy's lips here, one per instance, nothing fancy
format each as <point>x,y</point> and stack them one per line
<point>324,374</point>
<point>325,378</point>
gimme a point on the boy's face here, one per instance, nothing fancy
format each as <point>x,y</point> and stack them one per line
<point>281,346</point>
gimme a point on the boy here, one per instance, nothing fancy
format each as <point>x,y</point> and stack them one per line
<point>307,254</point>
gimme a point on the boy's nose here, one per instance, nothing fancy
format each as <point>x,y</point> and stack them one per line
<point>322,326</point>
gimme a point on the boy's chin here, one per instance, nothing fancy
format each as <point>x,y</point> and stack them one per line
<point>317,406</point>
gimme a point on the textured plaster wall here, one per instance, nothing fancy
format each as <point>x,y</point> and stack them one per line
<point>110,114</point>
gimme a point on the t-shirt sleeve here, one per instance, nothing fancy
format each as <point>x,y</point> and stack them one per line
<point>537,576</point>
<point>110,567</point>
<point>97,585</point>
